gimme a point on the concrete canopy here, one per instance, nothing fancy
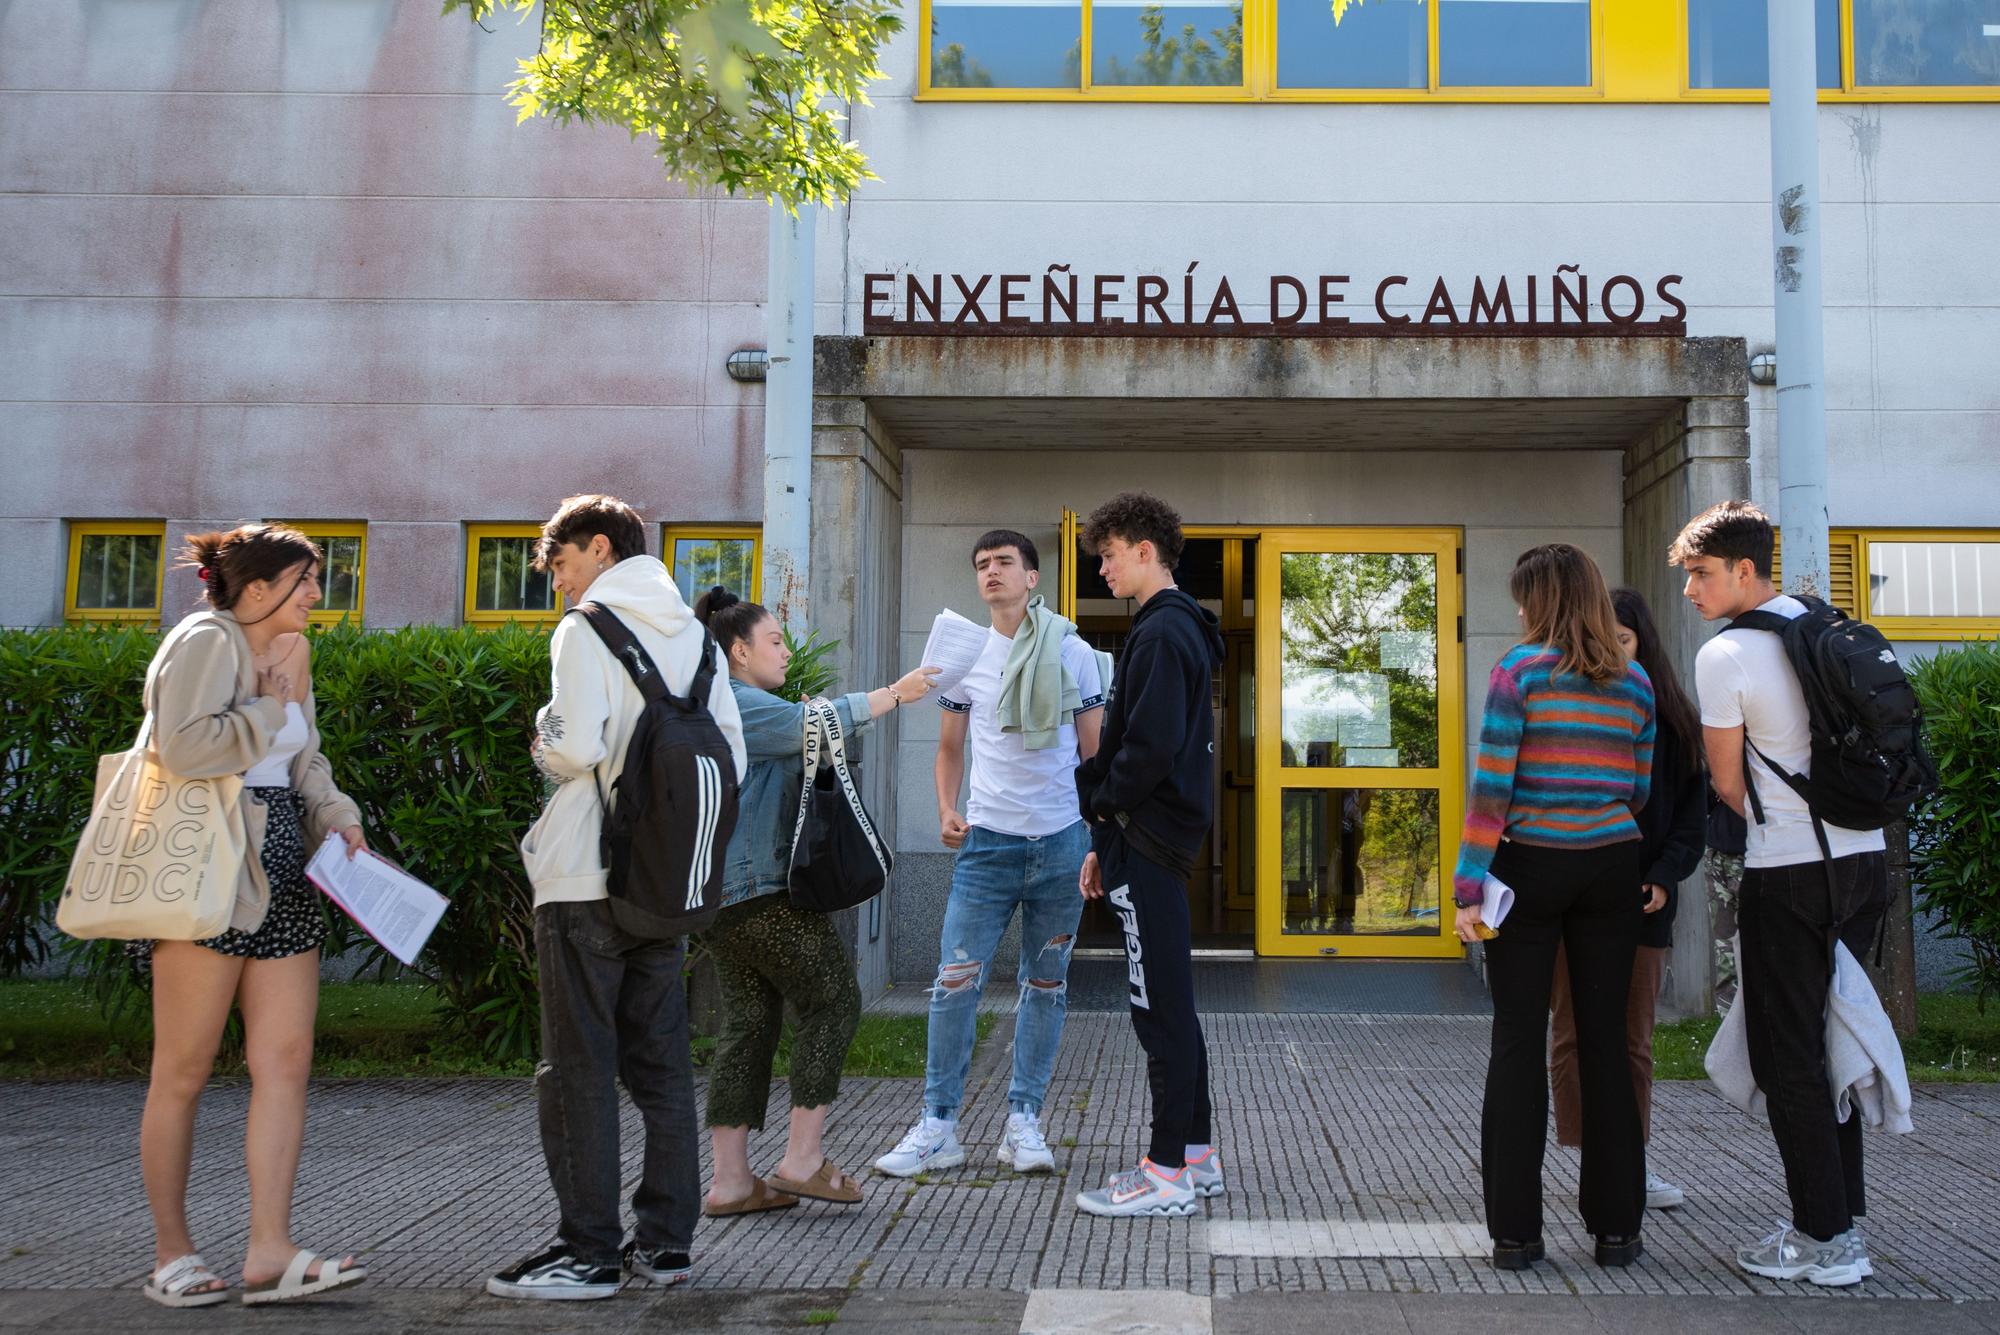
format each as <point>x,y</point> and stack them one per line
<point>1026,392</point>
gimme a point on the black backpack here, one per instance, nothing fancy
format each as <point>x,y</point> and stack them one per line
<point>1868,759</point>
<point>673,806</point>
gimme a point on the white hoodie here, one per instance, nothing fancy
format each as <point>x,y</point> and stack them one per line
<point>592,710</point>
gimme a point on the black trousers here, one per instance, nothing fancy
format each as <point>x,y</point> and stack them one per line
<point>1789,918</point>
<point>1588,901</point>
<point>614,1007</point>
<point>1151,904</point>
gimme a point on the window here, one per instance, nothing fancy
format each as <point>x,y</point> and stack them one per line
<point>1514,43</point>
<point>343,574</point>
<point>703,556</point>
<point>501,582</point>
<point>115,571</point>
<point>1444,50</point>
<point>1729,46</point>
<point>1920,584</point>
<point>1928,585</point>
<point>1926,43</point>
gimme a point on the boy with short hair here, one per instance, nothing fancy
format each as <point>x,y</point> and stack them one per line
<point>1031,706</point>
<point>614,1007</point>
<point>1794,896</point>
<point>1147,794</point>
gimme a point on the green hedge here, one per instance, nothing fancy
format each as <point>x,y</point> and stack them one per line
<point>1955,833</point>
<point>428,728</point>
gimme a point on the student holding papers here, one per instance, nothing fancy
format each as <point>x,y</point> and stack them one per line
<point>1029,695</point>
<point>1565,760</point>
<point>230,693</point>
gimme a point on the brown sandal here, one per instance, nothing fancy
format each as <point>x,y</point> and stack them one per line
<point>820,1186</point>
<point>761,1198</point>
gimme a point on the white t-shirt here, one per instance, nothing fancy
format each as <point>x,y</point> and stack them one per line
<point>1744,680</point>
<point>1016,791</point>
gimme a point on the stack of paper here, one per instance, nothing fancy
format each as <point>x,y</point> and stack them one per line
<point>391,905</point>
<point>955,646</point>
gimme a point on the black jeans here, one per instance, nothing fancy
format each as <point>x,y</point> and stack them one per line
<point>1789,918</point>
<point>614,1007</point>
<point>1588,901</point>
<point>1151,904</point>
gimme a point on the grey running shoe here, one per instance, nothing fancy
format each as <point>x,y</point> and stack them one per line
<point>1204,1175</point>
<point>1790,1254</point>
<point>1145,1190</point>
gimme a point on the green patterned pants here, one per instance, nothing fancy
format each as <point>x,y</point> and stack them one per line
<point>772,959</point>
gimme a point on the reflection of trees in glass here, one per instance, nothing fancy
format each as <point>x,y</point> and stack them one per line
<point>116,571</point>
<point>340,579</point>
<point>1184,59</point>
<point>508,580</point>
<point>1361,861</point>
<point>950,69</point>
<point>700,565</point>
<point>1924,42</point>
<point>1336,607</point>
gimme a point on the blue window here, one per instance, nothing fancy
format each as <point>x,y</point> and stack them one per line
<point>1926,43</point>
<point>1729,44</point>
<point>1006,43</point>
<point>1378,44</point>
<point>1514,43</point>
<point>1166,43</point>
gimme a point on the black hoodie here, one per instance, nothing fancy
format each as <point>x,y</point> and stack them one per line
<point>1154,771</point>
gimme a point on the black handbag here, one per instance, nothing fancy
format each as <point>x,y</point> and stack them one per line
<point>838,858</point>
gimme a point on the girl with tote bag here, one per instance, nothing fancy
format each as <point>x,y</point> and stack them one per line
<point>770,955</point>
<point>229,693</point>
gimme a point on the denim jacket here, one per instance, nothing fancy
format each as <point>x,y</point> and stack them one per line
<point>767,804</point>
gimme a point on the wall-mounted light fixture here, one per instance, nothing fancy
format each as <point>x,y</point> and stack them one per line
<point>747,364</point>
<point>1763,369</point>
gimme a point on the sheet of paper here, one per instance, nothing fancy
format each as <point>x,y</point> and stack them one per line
<point>1499,899</point>
<point>1364,709</point>
<point>955,645</point>
<point>391,905</point>
<point>1405,650</point>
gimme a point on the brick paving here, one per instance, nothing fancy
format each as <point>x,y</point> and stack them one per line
<point>1324,1118</point>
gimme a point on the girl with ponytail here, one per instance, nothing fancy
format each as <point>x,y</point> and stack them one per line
<point>769,955</point>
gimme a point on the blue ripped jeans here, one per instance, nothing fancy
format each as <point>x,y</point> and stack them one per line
<point>994,873</point>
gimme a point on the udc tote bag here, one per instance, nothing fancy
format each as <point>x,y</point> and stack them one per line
<point>160,856</point>
<point>838,858</point>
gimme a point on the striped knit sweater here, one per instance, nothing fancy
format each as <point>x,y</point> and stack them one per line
<point>1563,762</point>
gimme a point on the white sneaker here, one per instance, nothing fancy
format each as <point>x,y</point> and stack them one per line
<point>1024,1149</point>
<point>1789,1254</point>
<point>931,1144</point>
<point>1204,1175</point>
<point>1857,1241</point>
<point>1662,1194</point>
<point>1145,1190</point>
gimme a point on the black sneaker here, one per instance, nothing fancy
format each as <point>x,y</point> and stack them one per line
<point>657,1264</point>
<point>556,1275</point>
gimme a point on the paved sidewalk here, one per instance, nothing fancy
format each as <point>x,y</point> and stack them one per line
<point>1351,1142</point>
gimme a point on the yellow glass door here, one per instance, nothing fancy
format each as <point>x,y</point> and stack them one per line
<point>1360,754</point>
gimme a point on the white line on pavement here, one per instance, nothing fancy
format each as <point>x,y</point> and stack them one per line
<point>1130,1312</point>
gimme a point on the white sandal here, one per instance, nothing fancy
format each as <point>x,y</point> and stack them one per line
<point>295,1284</point>
<point>171,1283</point>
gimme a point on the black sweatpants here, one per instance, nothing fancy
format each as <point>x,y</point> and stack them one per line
<point>1151,904</point>
<point>1586,900</point>
<point>1789,918</point>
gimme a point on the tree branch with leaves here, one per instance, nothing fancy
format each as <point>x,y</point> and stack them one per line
<point>744,95</point>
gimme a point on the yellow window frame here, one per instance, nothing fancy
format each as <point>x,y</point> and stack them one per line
<point>79,529</point>
<point>316,529</point>
<point>489,620</point>
<point>673,533</point>
<point>1921,628</point>
<point>1639,53</point>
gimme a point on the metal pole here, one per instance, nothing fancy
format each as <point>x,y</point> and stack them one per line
<point>1795,239</point>
<point>788,417</point>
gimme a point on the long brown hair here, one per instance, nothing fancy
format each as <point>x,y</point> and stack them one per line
<point>1670,703</point>
<point>228,563</point>
<point>1565,606</point>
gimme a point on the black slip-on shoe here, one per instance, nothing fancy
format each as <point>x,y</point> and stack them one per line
<point>1615,1249</point>
<point>657,1264</point>
<point>1511,1255</point>
<point>556,1275</point>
